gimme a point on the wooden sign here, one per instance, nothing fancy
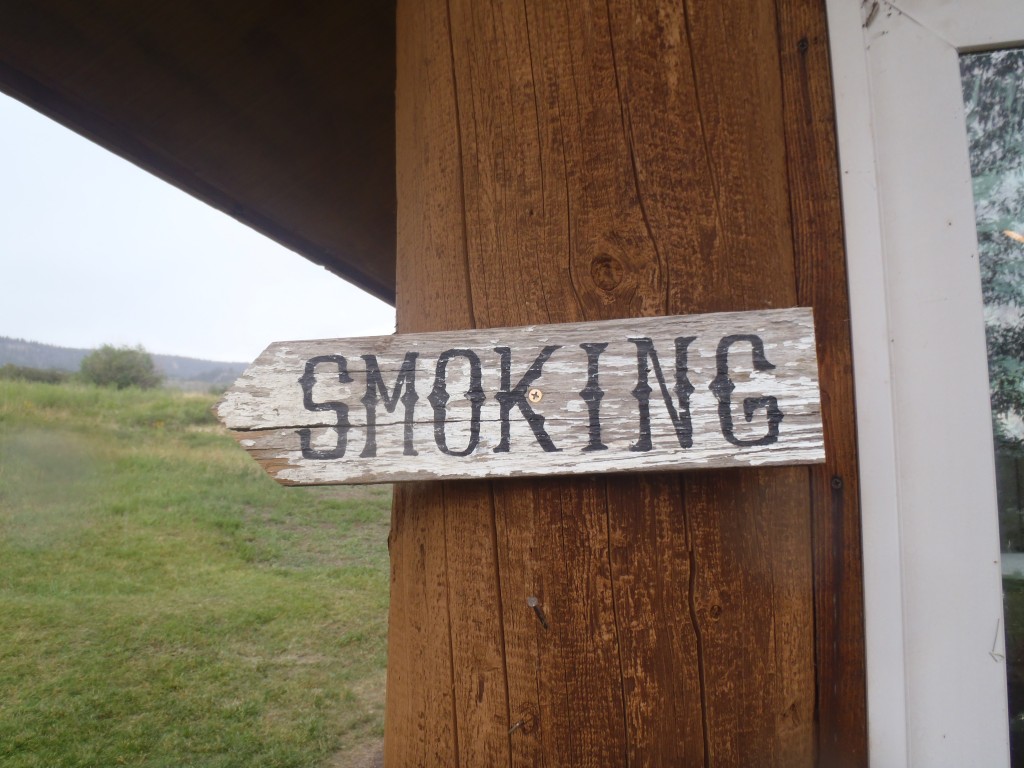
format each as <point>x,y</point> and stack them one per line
<point>700,391</point>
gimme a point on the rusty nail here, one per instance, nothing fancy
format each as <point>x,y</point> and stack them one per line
<point>534,603</point>
<point>535,395</point>
<point>525,723</point>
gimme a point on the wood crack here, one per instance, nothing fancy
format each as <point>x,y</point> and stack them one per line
<point>536,109</point>
<point>627,131</point>
<point>501,613</point>
<point>448,609</point>
<point>464,210</point>
<point>569,239</point>
<point>716,194</point>
<point>615,618</point>
<point>786,148</point>
<point>695,622</point>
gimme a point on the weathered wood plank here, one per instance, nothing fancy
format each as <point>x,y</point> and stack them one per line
<point>821,279</point>
<point>478,663</point>
<point>612,396</point>
<point>556,234</point>
<point>653,576</point>
<point>704,126</point>
<point>744,574</point>
<point>557,163</point>
<point>426,711</point>
<point>423,711</point>
<point>564,678</point>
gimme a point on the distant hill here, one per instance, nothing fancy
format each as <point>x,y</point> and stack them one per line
<point>179,371</point>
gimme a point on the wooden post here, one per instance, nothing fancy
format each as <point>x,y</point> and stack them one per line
<point>561,162</point>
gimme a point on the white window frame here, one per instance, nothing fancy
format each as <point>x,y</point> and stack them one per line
<point>933,594</point>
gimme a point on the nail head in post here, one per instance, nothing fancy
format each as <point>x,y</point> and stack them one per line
<point>534,603</point>
<point>525,724</point>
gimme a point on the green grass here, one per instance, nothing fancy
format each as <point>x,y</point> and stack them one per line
<point>164,603</point>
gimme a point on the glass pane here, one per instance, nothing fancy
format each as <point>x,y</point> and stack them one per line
<point>993,85</point>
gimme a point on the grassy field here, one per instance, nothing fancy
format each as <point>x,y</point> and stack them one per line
<point>164,603</point>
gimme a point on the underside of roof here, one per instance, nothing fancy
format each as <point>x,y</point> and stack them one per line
<point>279,114</point>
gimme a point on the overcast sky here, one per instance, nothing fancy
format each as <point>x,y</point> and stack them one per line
<point>94,251</point>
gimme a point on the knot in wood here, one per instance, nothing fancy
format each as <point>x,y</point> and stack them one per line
<point>607,272</point>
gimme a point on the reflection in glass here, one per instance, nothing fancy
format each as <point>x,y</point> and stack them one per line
<point>993,85</point>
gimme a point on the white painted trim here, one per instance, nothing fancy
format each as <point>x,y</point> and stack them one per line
<point>933,601</point>
<point>883,587</point>
<point>968,25</point>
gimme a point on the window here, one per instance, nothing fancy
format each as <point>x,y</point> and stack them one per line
<point>993,84</point>
<point>933,587</point>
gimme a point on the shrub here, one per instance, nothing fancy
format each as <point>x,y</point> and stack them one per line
<point>120,367</point>
<point>26,373</point>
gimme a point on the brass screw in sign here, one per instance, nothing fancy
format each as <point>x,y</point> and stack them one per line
<point>534,395</point>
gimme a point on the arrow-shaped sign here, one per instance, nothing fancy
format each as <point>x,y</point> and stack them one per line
<point>717,390</point>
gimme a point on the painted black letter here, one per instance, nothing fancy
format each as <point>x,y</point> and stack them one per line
<point>592,394</point>
<point>439,398</point>
<point>307,381</point>
<point>509,397</point>
<point>642,392</point>
<point>722,387</point>
<point>375,385</point>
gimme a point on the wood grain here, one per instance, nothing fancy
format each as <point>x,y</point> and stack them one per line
<point>821,279</point>
<point>422,709</point>
<point>746,261</point>
<point>614,160</point>
<point>421,701</point>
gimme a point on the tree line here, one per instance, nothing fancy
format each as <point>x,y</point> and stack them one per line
<point>108,366</point>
